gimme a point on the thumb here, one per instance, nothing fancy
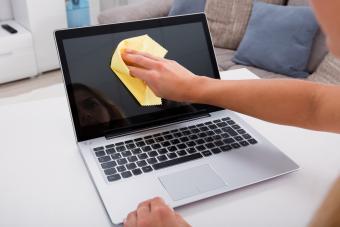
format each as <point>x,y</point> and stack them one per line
<point>180,221</point>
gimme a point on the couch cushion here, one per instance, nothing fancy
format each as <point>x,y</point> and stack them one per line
<point>223,57</point>
<point>137,11</point>
<point>279,39</point>
<point>180,7</point>
<point>319,49</point>
<point>228,20</point>
<point>328,71</point>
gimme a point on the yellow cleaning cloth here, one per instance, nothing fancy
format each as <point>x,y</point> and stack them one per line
<point>137,87</point>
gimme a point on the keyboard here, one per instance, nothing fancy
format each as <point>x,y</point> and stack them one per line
<point>154,152</point>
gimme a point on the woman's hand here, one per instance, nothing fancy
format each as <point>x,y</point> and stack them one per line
<point>154,213</point>
<point>166,78</point>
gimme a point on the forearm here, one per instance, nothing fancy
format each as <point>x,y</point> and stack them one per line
<point>290,102</point>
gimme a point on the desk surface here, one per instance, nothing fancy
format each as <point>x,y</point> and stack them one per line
<point>44,181</point>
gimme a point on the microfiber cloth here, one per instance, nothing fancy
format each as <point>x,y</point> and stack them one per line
<point>137,87</point>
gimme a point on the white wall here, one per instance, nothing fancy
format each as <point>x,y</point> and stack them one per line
<point>5,10</point>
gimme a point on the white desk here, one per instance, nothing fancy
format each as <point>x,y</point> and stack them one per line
<point>45,183</point>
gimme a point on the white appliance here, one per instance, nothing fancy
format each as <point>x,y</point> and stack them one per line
<point>17,58</point>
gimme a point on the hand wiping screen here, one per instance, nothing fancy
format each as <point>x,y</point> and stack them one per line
<point>137,87</point>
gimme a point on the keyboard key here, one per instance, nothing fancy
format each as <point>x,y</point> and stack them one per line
<point>231,122</point>
<point>246,136</point>
<point>100,153</point>
<point>121,161</point>
<point>168,137</point>
<point>107,165</point>
<point>222,124</point>
<point>184,139</point>
<point>230,131</point>
<point>172,148</point>
<point>126,174</point>
<point>165,133</point>
<point>186,132</point>
<point>130,146</point>
<point>206,153</point>
<point>208,123</point>
<point>200,141</point>
<point>140,144</point>
<point>195,130</point>
<point>110,151</point>
<point>136,172</point>
<point>226,119</point>
<point>217,137</point>
<point>236,127</point>
<point>225,135</point>
<point>200,125</point>
<point>244,143</point>
<point>104,159</point>
<point>191,150</point>
<point>175,141</point>
<point>252,141</point>
<point>152,153</point>
<point>210,145</point>
<point>116,156</point>
<point>109,146</point>
<point>210,133</point>
<point>165,144</point>
<point>226,148</point>
<point>218,143</point>
<point>138,139</point>
<point>216,150</point>
<point>202,134</point>
<point>236,145</point>
<point>156,146</point>
<point>131,166</point>
<point>147,169</point>
<point>193,137</point>
<point>152,161</point>
<point>146,149</point>
<point>217,121</point>
<point>126,153</point>
<point>114,177</point>
<point>128,141</point>
<point>120,148</point>
<point>98,148</point>
<point>238,138</point>
<point>172,155</point>
<point>132,159</point>
<point>162,158</point>
<point>241,131</point>
<point>147,137</point>
<point>228,141</point>
<point>159,139</point>
<point>150,141</point>
<point>204,128</point>
<point>141,163</point>
<point>119,144</point>
<point>181,153</point>
<point>110,171</point>
<point>212,126</point>
<point>121,168</point>
<point>142,156</point>
<point>191,144</point>
<point>162,151</point>
<point>136,151</point>
<point>174,130</point>
<point>178,134</point>
<point>208,139</point>
<point>218,131</point>
<point>177,161</point>
<point>181,146</point>
<point>200,148</point>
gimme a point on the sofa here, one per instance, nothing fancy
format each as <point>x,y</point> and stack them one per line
<point>323,67</point>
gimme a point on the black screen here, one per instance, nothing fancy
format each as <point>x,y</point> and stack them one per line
<point>101,102</point>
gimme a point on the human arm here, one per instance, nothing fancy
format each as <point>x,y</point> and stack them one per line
<point>290,102</point>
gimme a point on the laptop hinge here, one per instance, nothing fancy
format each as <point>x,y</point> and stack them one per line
<point>116,135</point>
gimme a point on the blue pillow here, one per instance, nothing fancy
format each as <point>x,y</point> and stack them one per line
<point>278,39</point>
<point>180,7</point>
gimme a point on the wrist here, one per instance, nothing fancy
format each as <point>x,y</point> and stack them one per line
<point>198,90</point>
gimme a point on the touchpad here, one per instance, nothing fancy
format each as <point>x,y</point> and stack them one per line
<point>191,182</point>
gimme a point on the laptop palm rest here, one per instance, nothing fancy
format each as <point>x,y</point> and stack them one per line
<point>191,182</point>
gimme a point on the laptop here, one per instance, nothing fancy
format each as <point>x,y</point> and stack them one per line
<point>182,152</point>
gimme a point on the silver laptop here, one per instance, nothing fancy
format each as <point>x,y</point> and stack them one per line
<point>182,152</point>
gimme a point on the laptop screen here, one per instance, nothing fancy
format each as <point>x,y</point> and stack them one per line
<point>100,103</point>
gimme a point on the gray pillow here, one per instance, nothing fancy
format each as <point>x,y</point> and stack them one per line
<point>180,7</point>
<point>279,39</point>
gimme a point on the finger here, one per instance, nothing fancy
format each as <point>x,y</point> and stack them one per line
<point>143,209</point>
<point>145,54</point>
<point>159,202</point>
<point>140,61</point>
<point>141,73</point>
<point>131,220</point>
<point>180,221</point>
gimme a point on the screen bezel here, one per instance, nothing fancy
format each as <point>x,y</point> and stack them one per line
<point>97,131</point>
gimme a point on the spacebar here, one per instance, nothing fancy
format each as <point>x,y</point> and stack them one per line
<point>177,161</point>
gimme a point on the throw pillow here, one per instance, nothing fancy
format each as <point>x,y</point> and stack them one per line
<point>279,39</point>
<point>228,20</point>
<point>180,7</point>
